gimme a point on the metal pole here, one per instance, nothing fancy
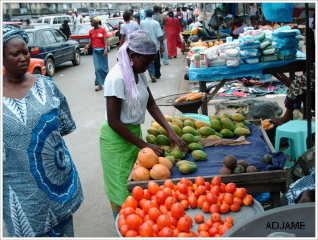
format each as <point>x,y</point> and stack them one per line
<point>308,91</point>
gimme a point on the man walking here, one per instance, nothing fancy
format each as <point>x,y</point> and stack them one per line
<point>162,21</point>
<point>153,27</point>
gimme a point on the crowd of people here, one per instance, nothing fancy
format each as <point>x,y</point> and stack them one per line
<point>41,186</point>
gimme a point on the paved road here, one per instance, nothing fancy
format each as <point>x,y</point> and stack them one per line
<point>94,218</point>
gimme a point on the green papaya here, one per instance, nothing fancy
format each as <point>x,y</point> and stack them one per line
<point>187,168</point>
<point>163,131</point>
<point>153,131</point>
<point>213,137</point>
<point>206,131</point>
<point>238,117</point>
<point>188,138</point>
<point>177,154</point>
<point>179,163</point>
<point>189,123</point>
<point>219,134</point>
<point>163,140</point>
<point>227,133</point>
<point>242,131</point>
<point>213,117</point>
<point>151,139</point>
<point>216,125</point>
<point>199,155</point>
<point>177,130</point>
<point>227,123</point>
<point>191,130</point>
<point>246,122</point>
<point>195,146</point>
<point>224,115</point>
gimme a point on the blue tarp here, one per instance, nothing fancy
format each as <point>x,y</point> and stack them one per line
<point>243,70</point>
<point>252,153</point>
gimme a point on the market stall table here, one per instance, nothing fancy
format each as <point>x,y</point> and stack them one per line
<point>225,73</point>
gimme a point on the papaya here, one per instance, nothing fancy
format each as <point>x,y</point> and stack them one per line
<point>227,123</point>
<point>189,123</point>
<point>153,131</point>
<point>191,130</point>
<point>163,140</point>
<point>171,159</point>
<point>227,133</point>
<point>206,131</point>
<point>159,172</point>
<point>177,154</point>
<point>151,139</point>
<point>199,124</point>
<point>188,138</point>
<point>195,146</point>
<point>176,129</point>
<point>219,134</point>
<point>187,168</point>
<point>242,131</point>
<point>155,125</point>
<point>166,148</point>
<point>199,155</point>
<point>216,125</point>
<point>239,124</point>
<point>168,118</point>
<point>140,173</point>
<point>166,162</point>
<point>246,122</point>
<point>213,117</point>
<point>147,157</point>
<point>177,122</point>
<point>237,117</point>
<point>224,115</point>
<point>213,137</point>
<point>163,131</point>
<point>188,118</point>
<point>179,117</point>
<point>178,164</point>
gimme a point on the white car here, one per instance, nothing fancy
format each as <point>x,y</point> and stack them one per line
<point>56,21</point>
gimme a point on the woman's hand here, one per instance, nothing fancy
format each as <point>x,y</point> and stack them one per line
<point>176,140</point>
<point>157,149</point>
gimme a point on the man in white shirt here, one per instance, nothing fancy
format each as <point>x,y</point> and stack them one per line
<point>153,27</point>
<point>78,19</point>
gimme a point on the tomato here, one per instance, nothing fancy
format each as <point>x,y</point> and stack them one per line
<point>192,234</point>
<point>193,201</point>
<point>240,193</point>
<point>153,187</point>
<point>248,200</point>
<point>184,180</point>
<point>206,207</point>
<point>215,190</point>
<point>163,221</point>
<point>237,200</point>
<point>121,222</point>
<point>168,183</point>
<point>230,187</point>
<point>203,234</point>
<point>176,231</point>
<point>201,190</point>
<point>147,205</point>
<point>221,197</point>
<point>160,197</point>
<point>141,214</point>
<point>166,232</point>
<point>185,204</point>
<point>163,209</point>
<point>182,196</point>
<point>127,211</point>
<point>154,213</point>
<point>124,229</point>
<point>155,229</point>
<point>183,234</point>
<point>203,227</point>
<point>229,225</point>
<point>167,192</point>
<point>199,181</point>
<point>184,224</point>
<point>213,231</point>
<point>207,186</point>
<point>137,193</point>
<point>199,218</point>
<point>216,181</point>
<point>215,217</point>
<point>177,210</point>
<point>223,229</point>
<point>215,208</point>
<point>222,188</point>
<point>147,194</point>
<point>182,188</point>
<point>209,222</point>
<point>194,186</point>
<point>211,198</point>
<point>224,208</point>
<point>131,233</point>
<point>216,224</point>
<point>228,198</point>
<point>229,219</point>
<point>146,230</point>
<point>234,207</point>
<point>174,221</point>
<point>153,197</point>
<point>131,202</point>
<point>169,202</point>
<point>201,200</point>
<point>133,221</point>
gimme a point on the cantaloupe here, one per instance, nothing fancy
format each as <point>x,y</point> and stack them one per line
<point>147,157</point>
<point>140,173</point>
<point>159,171</point>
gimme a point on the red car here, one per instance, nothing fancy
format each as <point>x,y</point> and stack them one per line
<point>81,34</point>
<point>36,67</point>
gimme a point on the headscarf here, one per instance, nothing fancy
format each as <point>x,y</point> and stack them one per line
<point>97,19</point>
<point>140,42</point>
<point>9,31</point>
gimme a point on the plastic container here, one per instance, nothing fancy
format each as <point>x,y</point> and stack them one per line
<point>298,219</point>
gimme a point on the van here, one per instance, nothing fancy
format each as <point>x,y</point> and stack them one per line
<point>56,21</point>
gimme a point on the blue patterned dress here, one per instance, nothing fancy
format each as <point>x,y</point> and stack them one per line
<point>41,186</point>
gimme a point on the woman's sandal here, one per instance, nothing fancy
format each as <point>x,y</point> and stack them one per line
<point>98,88</point>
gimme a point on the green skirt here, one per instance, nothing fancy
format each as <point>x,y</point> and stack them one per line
<point>118,157</point>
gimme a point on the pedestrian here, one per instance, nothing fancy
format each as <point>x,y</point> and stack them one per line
<point>128,96</point>
<point>41,187</point>
<point>162,21</point>
<point>98,42</point>
<point>173,30</point>
<point>28,22</point>
<point>153,27</point>
<point>65,28</point>
<point>137,18</point>
<point>180,16</point>
<point>115,14</point>
<point>238,26</point>
<point>78,19</point>
<point>253,9</point>
<point>184,18</point>
<point>127,27</point>
<point>166,11</point>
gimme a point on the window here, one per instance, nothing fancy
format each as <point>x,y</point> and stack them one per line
<point>49,37</point>
<point>66,18</point>
<point>58,36</point>
<point>39,21</point>
<point>47,20</point>
<point>57,20</point>
<point>31,38</point>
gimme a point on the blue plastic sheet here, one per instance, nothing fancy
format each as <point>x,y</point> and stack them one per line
<point>252,153</point>
<point>278,12</point>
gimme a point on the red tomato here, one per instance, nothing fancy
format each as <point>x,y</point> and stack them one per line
<point>146,230</point>
<point>137,193</point>
<point>216,181</point>
<point>240,193</point>
<point>211,198</point>
<point>154,213</point>
<point>177,210</point>
<point>215,217</point>
<point>213,231</point>
<point>206,207</point>
<point>248,200</point>
<point>228,198</point>
<point>199,218</point>
<point>199,181</point>
<point>153,187</point>
<point>163,221</point>
<point>160,197</point>
<point>224,208</point>
<point>169,202</point>
<point>166,232</point>
<point>230,187</point>
<point>184,224</point>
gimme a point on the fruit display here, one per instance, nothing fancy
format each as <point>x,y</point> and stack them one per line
<point>166,210</point>
<point>233,166</point>
<point>190,97</point>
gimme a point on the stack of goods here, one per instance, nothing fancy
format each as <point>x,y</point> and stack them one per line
<point>286,42</point>
<point>249,49</point>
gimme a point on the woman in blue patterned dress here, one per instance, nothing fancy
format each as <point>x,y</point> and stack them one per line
<point>41,186</point>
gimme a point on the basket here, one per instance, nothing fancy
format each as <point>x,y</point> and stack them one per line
<point>184,107</point>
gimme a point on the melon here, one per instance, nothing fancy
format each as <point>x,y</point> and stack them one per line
<point>159,171</point>
<point>140,173</point>
<point>147,157</point>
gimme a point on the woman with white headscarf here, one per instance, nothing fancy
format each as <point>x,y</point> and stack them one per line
<point>127,98</point>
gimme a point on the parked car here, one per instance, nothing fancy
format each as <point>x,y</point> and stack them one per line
<point>36,67</point>
<point>114,22</point>
<point>40,25</point>
<point>56,21</point>
<point>52,46</point>
<point>81,34</point>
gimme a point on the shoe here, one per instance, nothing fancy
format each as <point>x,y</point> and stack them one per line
<point>98,88</point>
<point>175,56</point>
<point>157,77</point>
<point>165,63</point>
<point>169,57</point>
<point>153,79</point>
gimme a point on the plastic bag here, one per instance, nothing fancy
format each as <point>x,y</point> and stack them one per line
<point>278,12</point>
<point>252,52</point>
<point>255,44</point>
<point>228,45</point>
<point>269,51</point>
<point>252,60</point>
<point>265,44</point>
<point>246,39</point>
<point>212,52</point>
<point>286,52</point>
<point>232,62</point>
<point>214,22</point>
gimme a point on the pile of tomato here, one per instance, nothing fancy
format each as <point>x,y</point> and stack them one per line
<point>159,211</point>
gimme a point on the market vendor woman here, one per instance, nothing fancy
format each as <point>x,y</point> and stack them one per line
<point>127,99</point>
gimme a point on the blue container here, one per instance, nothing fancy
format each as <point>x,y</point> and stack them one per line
<point>227,31</point>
